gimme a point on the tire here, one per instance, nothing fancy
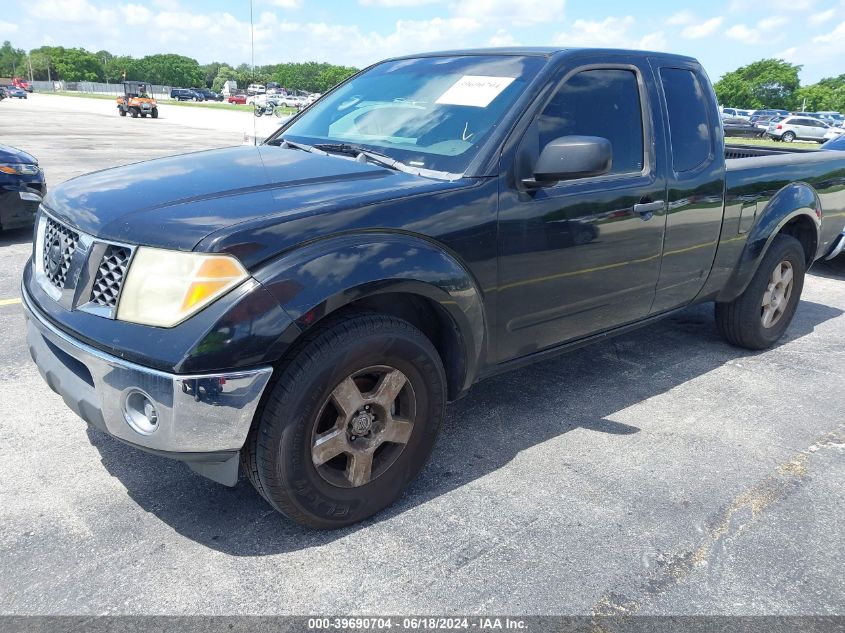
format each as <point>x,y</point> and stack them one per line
<point>788,137</point>
<point>134,112</point>
<point>154,113</point>
<point>143,115</point>
<point>122,111</point>
<point>742,321</point>
<point>279,455</point>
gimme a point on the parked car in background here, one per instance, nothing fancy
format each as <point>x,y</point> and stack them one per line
<point>762,122</point>
<point>791,128</point>
<point>256,89</point>
<point>16,92</point>
<point>23,85</point>
<point>734,113</point>
<point>736,126</point>
<point>757,114</point>
<point>208,95</point>
<point>22,186</point>
<point>186,94</point>
<point>239,98</point>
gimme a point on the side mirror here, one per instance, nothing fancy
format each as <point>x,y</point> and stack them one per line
<point>570,157</point>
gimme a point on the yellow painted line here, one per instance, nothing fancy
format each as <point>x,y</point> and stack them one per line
<point>9,302</point>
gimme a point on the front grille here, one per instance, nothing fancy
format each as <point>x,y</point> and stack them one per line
<point>59,246</point>
<point>110,276</point>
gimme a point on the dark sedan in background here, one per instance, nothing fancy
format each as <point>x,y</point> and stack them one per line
<point>22,186</point>
<point>735,126</point>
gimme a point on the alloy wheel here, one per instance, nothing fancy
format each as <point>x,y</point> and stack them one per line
<point>363,427</point>
<point>777,294</point>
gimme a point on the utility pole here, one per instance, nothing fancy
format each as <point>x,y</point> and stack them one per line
<point>29,61</point>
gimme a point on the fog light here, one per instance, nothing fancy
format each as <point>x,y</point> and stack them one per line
<point>140,412</point>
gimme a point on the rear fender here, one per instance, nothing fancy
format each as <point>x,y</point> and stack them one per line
<point>794,200</point>
<point>320,278</point>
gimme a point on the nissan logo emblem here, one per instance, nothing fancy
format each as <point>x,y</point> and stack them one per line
<point>54,255</point>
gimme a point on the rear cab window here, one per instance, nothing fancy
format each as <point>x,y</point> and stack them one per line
<point>689,122</point>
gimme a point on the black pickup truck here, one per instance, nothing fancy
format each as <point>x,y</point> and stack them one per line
<point>303,310</point>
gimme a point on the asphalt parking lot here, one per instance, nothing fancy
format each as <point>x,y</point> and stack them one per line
<point>663,472</point>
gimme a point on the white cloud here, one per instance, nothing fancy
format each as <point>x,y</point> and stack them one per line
<point>703,29</point>
<point>502,38</point>
<point>823,51</point>
<point>7,28</point>
<point>390,4</point>
<point>817,19</point>
<point>135,13</point>
<point>773,22</point>
<point>774,6</point>
<point>681,18</point>
<point>76,11</point>
<point>744,34</point>
<point>612,32</point>
<point>510,12</point>
<point>286,4</point>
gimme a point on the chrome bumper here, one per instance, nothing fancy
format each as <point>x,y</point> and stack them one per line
<point>838,246</point>
<point>200,419</point>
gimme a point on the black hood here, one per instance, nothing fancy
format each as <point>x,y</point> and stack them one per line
<point>175,202</point>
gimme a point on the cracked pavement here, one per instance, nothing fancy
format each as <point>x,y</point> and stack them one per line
<point>663,472</point>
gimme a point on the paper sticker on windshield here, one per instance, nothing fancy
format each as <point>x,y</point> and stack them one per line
<point>474,90</point>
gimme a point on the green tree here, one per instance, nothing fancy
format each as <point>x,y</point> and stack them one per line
<point>827,94</point>
<point>12,61</point>
<point>169,70</point>
<point>768,83</point>
<point>331,76</point>
<point>224,73</point>
<point>77,64</point>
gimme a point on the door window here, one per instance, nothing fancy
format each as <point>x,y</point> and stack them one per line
<point>605,103</point>
<point>689,125</point>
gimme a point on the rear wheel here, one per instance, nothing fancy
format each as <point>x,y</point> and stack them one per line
<point>351,420</point>
<point>134,112</point>
<point>761,314</point>
<point>143,115</point>
<point>121,111</point>
<point>154,113</point>
<point>788,137</point>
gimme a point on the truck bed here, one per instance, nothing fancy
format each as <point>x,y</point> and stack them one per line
<point>755,174</point>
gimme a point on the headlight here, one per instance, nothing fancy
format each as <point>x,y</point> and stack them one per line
<point>164,287</point>
<point>19,169</point>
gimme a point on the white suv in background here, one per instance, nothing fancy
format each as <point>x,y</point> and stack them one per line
<point>803,128</point>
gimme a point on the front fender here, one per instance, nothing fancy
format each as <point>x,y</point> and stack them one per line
<point>796,199</point>
<point>315,280</point>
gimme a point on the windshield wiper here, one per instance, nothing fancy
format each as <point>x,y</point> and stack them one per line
<point>285,144</point>
<point>362,155</point>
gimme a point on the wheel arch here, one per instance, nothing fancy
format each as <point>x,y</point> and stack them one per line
<point>404,275</point>
<point>794,210</point>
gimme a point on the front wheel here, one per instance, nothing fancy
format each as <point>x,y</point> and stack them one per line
<point>121,111</point>
<point>154,113</point>
<point>761,314</point>
<point>135,113</point>
<point>350,421</point>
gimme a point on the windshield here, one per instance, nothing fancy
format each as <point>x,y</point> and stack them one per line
<point>431,113</point>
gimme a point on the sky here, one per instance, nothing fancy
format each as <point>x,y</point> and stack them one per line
<point>722,34</point>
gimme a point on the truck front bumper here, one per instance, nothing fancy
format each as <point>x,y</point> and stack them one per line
<point>200,419</point>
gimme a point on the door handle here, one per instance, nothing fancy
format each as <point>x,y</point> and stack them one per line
<point>647,209</point>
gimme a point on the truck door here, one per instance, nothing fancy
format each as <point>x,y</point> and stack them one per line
<point>696,183</point>
<point>583,255</point>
